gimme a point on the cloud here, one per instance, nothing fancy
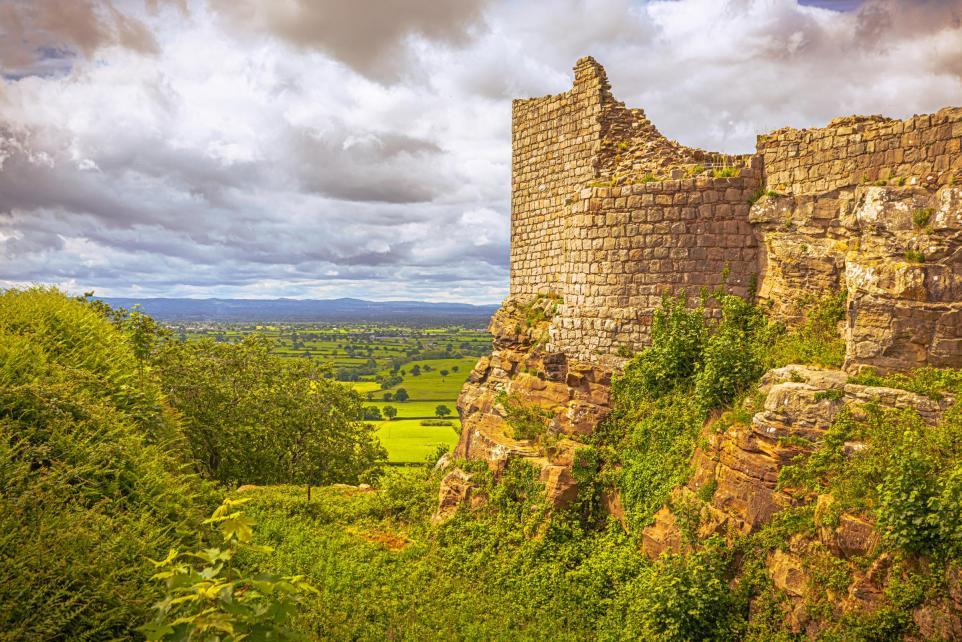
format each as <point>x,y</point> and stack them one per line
<point>41,37</point>
<point>370,37</point>
<point>323,149</point>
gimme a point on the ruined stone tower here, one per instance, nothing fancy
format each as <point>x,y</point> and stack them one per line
<point>608,216</point>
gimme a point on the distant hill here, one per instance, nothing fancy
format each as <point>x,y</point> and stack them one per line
<point>307,310</point>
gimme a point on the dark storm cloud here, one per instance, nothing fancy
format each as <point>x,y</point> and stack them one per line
<point>368,36</point>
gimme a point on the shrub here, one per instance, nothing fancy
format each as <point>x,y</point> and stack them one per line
<point>253,417</point>
<point>207,598</point>
<point>725,172</point>
<point>921,217</point>
<point>686,597</point>
<point>914,256</point>
<point>816,340</point>
<point>90,485</point>
<point>734,354</point>
<point>678,335</point>
<point>526,421</point>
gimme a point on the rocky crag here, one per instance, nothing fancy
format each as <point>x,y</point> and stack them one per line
<point>608,216</point>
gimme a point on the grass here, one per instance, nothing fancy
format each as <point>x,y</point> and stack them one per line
<point>431,386</point>
<point>406,440</point>
<point>363,387</point>
<point>415,409</point>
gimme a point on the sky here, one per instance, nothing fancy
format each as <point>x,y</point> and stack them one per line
<point>323,148</point>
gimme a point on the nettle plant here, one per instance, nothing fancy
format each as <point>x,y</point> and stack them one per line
<point>207,599</point>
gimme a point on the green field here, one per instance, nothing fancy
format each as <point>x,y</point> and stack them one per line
<point>416,409</point>
<point>431,386</point>
<point>371,359</point>
<point>407,440</point>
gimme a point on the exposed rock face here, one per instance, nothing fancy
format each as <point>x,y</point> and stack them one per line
<point>608,216</point>
<point>574,397</point>
<point>456,489</point>
<point>896,250</point>
<point>743,463</point>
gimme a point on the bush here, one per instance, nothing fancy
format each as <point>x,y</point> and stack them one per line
<point>253,417</point>
<point>89,484</point>
<point>678,336</point>
<point>816,341</point>
<point>734,355</point>
<point>207,598</point>
<point>686,597</point>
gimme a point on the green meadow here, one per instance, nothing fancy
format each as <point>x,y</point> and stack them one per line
<point>406,440</point>
<point>430,364</point>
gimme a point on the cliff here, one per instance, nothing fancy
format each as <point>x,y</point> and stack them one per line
<point>609,216</point>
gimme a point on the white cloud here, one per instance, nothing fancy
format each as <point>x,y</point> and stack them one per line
<point>252,160</point>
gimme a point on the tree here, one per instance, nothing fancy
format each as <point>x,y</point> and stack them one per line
<point>388,396</point>
<point>372,413</point>
<point>416,370</point>
<point>455,368</point>
<point>253,417</point>
<point>390,412</point>
<point>443,373</point>
<point>442,411</point>
<point>401,395</point>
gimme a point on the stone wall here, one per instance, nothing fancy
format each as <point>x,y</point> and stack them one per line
<point>555,141</point>
<point>630,245</point>
<point>854,150</point>
<point>868,205</point>
<point>608,216</point>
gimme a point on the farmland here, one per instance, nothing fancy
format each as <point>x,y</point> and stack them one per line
<point>410,369</point>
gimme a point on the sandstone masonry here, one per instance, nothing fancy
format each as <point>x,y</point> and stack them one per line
<point>608,216</point>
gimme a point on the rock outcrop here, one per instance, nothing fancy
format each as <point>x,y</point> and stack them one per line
<point>743,464</point>
<point>896,250</point>
<point>573,397</point>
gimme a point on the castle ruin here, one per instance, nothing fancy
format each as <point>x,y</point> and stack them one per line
<point>608,216</point>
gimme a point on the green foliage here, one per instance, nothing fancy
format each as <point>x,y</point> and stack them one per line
<point>505,571</point>
<point>527,421</point>
<point>655,451</point>
<point>725,172</point>
<point>914,256</point>
<point>933,383</point>
<point>442,411</point>
<point>816,341</point>
<point>436,422</point>
<point>206,598</point>
<point>921,217</point>
<point>906,477</point>
<point>686,597</point>
<point>678,335</point>
<point>734,355</point>
<point>89,482</point>
<point>253,417</point>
